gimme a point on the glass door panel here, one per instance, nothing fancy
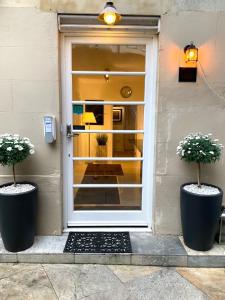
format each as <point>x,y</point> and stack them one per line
<point>107,104</point>
<point>108,57</point>
<point>112,198</point>
<point>107,87</point>
<point>108,145</point>
<point>107,172</point>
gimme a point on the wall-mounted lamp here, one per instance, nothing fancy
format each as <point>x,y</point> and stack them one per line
<point>109,15</point>
<point>188,72</point>
<point>191,53</point>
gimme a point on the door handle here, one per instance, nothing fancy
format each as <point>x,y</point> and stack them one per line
<point>69,132</point>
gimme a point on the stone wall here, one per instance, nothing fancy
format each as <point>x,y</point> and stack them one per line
<point>29,88</point>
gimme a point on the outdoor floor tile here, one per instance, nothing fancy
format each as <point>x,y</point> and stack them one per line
<point>98,282</point>
<point>216,250</point>
<point>127,273</point>
<point>64,279</point>
<point>147,243</point>
<point>164,285</point>
<point>27,284</point>
<point>55,258</point>
<point>206,261</point>
<point>159,260</point>
<point>47,244</point>
<point>97,279</point>
<point>210,281</point>
<point>9,269</point>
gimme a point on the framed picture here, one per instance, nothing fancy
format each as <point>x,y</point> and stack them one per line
<point>117,114</point>
<point>98,111</point>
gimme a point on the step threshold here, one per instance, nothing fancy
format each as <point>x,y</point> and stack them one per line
<point>147,250</point>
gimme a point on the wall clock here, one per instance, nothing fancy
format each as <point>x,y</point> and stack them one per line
<point>126,91</point>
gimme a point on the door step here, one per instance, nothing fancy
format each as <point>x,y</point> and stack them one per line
<point>147,250</point>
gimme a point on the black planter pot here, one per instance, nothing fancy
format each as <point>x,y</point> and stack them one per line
<point>199,218</point>
<point>18,218</point>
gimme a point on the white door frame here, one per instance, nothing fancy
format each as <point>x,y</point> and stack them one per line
<point>149,123</point>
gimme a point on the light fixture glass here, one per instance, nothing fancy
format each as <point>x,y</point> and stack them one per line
<point>106,76</point>
<point>191,53</point>
<point>109,15</point>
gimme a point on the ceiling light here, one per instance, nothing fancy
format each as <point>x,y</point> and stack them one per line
<point>109,15</point>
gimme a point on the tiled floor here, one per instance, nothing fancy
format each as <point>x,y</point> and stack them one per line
<point>147,250</point>
<point>98,282</point>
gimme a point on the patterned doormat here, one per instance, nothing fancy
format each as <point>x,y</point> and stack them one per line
<point>98,242</point>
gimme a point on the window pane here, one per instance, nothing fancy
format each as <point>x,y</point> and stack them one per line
<point>111,57</point>
<point>107,172</point>
<point>113,88</point>
<point>108,117</point>
<point>107,198</point>
<point>107,145</point>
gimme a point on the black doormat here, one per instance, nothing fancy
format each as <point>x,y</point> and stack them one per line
<point>98,242</point>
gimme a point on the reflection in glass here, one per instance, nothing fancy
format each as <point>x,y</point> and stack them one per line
<point>107,172</point>
<point>110,57</point>
<point>107,198</point>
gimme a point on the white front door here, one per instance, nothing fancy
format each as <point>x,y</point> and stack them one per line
<point>108,130</point>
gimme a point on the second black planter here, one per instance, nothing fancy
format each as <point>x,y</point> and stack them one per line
<point>18,219</point>
<point>199,217</point>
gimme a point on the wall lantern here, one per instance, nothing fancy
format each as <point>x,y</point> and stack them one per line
<point>188,72</point>
<point>191,53</point>
<point>109,15</point>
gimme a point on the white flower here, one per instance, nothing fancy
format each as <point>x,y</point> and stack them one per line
<point>189,152</point>
<point>216,140</point>
<point>211,152</point>
<point>20,148</point>
<point>31,151</point>
<point>183,151</point>
<point>9,149</point>
<point>202,152</point>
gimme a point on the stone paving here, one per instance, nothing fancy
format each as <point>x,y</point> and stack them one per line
<point>147,250</point>
<point>101,282</point>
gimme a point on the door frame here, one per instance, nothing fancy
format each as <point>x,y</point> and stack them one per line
<point>149,149</point>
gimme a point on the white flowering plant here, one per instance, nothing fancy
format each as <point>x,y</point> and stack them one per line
<point>200,149</point>
<point>14,149</point>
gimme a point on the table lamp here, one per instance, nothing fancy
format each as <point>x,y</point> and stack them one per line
<point>89,118</point>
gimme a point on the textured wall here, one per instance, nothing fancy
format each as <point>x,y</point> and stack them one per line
<point>29,88</point>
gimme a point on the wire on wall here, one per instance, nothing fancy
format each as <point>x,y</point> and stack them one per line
<point>208,84</point>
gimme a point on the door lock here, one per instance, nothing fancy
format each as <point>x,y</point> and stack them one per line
<point>69,132</point>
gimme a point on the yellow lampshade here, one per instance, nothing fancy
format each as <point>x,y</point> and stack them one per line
<point>88,118</point>
<point>109,15</point>
<point>191,53</point>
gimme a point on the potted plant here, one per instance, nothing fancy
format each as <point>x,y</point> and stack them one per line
<point>18,200</point>
<point>102,142</point>
<point>200,203</point>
